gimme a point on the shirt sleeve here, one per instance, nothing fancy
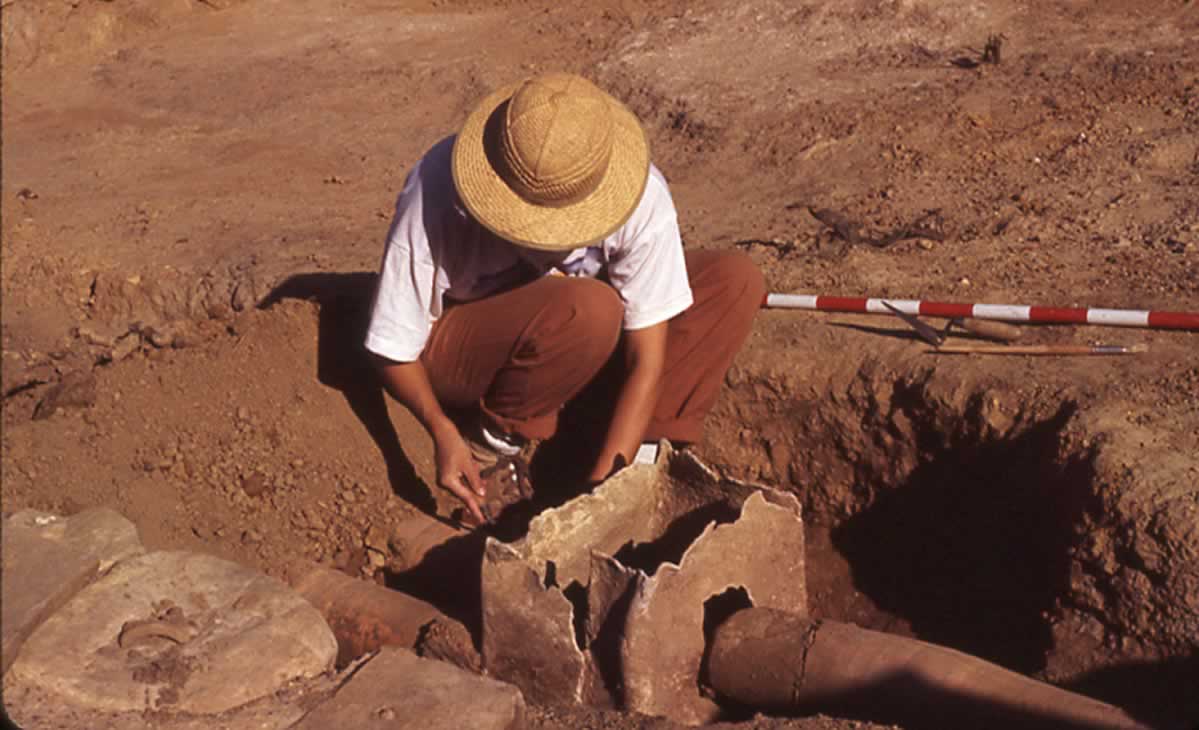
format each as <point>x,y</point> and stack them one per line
<point>402,312</point>
<point>646,265</point>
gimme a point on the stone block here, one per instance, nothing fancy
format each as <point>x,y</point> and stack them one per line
<point>173,633</point>
<point>48,559</point>
<point>397,689</point>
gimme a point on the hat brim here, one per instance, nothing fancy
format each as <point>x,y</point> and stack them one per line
<point>506,214</point>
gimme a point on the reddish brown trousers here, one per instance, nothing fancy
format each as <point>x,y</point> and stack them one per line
<point>520,355</point>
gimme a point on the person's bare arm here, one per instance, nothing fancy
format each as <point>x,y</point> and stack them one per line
<point>645,358</point>
<point>408,383</point>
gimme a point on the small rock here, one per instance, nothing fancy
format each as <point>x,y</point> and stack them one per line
<point>255,485</point>
<point>75,390</point>
<point>376,538</point>
<point>160,337</point>
<point>341,560</point>
<point>449,641</point>
<point>315,521</point>
<point>94,335</point>
<point>125,346</point>
<point>243,298</point>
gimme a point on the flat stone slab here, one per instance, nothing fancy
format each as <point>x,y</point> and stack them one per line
<point>397,689</point>
<point>169,632</point>
<point>47,559</point>
<point>40,711</point>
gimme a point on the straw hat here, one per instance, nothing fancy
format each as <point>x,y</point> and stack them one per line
<point>551,163</point>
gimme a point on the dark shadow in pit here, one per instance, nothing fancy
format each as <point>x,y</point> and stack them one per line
<point>562,463</point>
<point>1159,693</point>
<point>973,548</point>
<point>679,536</point>
<point>448,578</point>
<point>342,363</point>
<point>718,609</point>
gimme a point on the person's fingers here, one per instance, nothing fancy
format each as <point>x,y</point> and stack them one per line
<point>460,491</point>
<point>475,510</point>
<point>474,480</point>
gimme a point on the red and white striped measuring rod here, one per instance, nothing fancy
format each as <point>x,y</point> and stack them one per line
<point>1004,312</point>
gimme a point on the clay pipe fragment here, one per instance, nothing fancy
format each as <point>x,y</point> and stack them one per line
<point>364,616</point>
<point>784,663</point>
<point>415,537</point>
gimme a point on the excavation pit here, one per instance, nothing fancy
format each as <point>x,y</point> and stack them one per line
<point>951,515</point>
<point>1041,529</point>
<point>972,548</point>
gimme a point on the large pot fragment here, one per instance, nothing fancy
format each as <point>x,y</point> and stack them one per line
<point>604,600</point>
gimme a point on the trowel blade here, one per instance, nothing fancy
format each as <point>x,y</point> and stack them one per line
<point>927,332</point>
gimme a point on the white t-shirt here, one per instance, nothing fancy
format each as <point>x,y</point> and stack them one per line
<point>437,252</point>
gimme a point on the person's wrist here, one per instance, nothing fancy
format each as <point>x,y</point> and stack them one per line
<point>443,429</point>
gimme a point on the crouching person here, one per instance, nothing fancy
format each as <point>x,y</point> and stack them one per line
<point>523,250</point>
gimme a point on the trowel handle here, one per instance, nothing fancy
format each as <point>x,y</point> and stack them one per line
<point>989,329</point>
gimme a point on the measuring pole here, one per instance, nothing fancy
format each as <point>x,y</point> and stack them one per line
<point>1004,312</point>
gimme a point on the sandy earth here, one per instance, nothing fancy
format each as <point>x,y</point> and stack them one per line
<point>170,164</point>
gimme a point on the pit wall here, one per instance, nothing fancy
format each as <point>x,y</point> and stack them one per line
<point>1042,530</point>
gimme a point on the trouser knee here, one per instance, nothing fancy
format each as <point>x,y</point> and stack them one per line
<point>590,314</point>
<point>745,283</point>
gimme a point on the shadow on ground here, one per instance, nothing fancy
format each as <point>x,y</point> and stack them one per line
<point>1162,693</point>
<point>344,300</point>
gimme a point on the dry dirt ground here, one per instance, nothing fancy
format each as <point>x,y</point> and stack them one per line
<point>195,195</point>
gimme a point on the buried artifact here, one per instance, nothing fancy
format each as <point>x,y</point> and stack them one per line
<point>623,597</point>
<point>604,600</point>
<point>787,664</point>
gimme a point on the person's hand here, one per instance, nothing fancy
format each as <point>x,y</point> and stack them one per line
<point>457,471</point>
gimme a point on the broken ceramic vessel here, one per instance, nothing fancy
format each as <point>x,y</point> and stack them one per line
<point>606,600</point>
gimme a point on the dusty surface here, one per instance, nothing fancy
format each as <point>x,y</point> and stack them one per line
<point>164,632</point>
<point>169,164</point>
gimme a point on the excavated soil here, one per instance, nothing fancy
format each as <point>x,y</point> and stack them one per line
<point>195,195</point>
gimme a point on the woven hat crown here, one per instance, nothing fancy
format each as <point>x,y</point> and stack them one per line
<point>555,142</point>
<point>551,162</point>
